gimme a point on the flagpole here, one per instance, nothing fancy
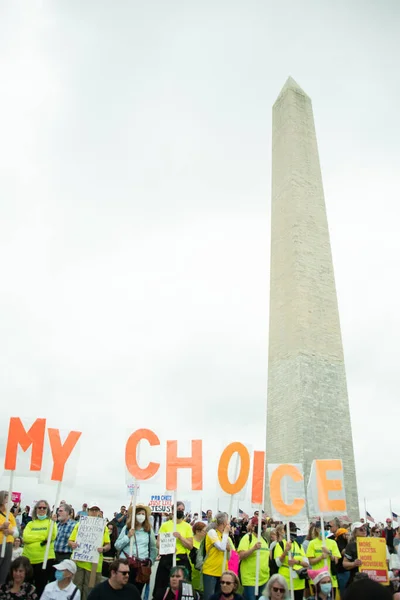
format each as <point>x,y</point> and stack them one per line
<point>390,508</point>
<point>365,511</point>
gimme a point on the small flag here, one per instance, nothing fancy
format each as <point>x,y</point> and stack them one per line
<point>241,512</point>
<point>370,518</point>
<point>203,515</point>
<point>394,515</point>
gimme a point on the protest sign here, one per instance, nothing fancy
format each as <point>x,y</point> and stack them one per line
<point>167,543</point>
<point>132,488</point>
<point>372,553</point>
<point>160,504</point>
<point>286,485</point>
<point>16,497</point>
<point>89,538</point>
<point>325,490</point>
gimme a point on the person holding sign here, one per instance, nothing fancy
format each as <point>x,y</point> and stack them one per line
<point>84,567</point>
<point>178,575</point>
<point>184,543</point>
<point>248,547</point>
<point>351,562</point>
<point>8,528</point>
<point>297,563</point>
<point>35,540</point>
<point>144,549</point>
<point>323,553</point>
<point>217,546</point>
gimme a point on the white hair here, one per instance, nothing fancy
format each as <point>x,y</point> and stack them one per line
<point>276,579</point>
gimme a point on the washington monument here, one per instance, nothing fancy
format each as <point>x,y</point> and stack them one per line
<point>308,413</point>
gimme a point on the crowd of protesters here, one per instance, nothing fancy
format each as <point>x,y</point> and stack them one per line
<point>216,557</point>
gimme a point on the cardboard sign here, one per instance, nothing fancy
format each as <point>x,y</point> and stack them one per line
<point>325,490</point>
<point>132,487</point>
<point>18,436</point>
<point>161,504</point>
<point>286,484</point>
<point>372,553</point>
<point>89,538</point>
<point>16,497</point>
<point>167,543</point>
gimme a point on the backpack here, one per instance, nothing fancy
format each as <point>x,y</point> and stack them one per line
<point>200,555</point>
<point>273,567</point>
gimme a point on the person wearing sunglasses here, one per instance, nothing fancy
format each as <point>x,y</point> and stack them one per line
<point>117,586</point>
<point>351,562</point>
<point>178,575</point>
<point>276,589</point>
<point>35,540</point>
<point>228,583</point>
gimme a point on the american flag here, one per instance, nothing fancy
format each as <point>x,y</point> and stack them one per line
<point>394,515</point>
<point>370,518</point>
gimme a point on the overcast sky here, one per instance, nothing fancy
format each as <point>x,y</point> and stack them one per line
<point>135,167</point>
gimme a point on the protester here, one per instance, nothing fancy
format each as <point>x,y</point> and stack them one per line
<point>84,511</point>
<point>26,518</point>
<point>8,528</point>
<point>351,562</point>
<point>137,543</point>
<point>333,526</point>
<point>298,561</point>
<point>117,586</point>
<point>276,588</point>
<point>228,584</point>
<point>312,534</point>
<point>18,585</point>
<point>17,550</point>
<point>199,533</point>
<point>176,576</point>
<point>367,589</point>
<point>389,535</point>
<point>110,555</point>
<point>62,588</point>
<point>322,582</point>
<point>209,516</point>
<point>120,519</point>
<point>342,538</point>
<point>65,528</point>
<point>217,546</point>
<point>83,572</point>
<point>322,553</point>
<point>248,548</point>
<point>184,543</point>
<point>35,537</point>
<point>279,537</point>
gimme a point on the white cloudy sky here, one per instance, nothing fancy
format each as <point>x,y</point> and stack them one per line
<point>135,150</point>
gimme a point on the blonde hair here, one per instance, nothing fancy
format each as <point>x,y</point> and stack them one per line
<point>234,577</point>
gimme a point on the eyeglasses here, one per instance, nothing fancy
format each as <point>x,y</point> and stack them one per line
<point>42,508</point>
<point>123,572</point>
<point>226,582</point>
<point>278,590</point>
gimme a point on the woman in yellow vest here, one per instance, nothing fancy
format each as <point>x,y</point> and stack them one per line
<point>35,541</point>
<point>8,528</point>
<point>292,565</point>
<point>218,545</point>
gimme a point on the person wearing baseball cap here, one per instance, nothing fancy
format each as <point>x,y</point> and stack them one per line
<point>83,572</point>
<point>351,562</point>
<point>62,588</point>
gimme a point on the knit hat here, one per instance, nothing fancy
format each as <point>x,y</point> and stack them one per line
<point>319,574</point>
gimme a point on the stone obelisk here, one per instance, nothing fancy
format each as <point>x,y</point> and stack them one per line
<point>308,413</point>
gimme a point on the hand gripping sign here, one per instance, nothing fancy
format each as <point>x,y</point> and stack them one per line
<point>34,437</point>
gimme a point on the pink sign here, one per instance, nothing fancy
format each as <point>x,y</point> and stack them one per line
<point>16,497</point>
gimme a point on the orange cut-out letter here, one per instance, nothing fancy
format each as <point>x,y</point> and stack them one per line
<point>257,489</point>
<point>284,509</point>
<point>131,454</point>
<point>325,485</point>
<point>229,451</point>
<point>61,452</point>
<point>194,462</point>
<point>17,435</point>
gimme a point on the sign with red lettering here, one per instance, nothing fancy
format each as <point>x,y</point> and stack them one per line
<point>372,553</point>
